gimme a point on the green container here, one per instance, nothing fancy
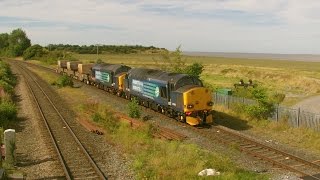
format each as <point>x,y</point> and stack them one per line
<point>224,91</point>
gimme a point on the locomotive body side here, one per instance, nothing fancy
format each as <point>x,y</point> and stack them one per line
<point>172,94</point>
<point>109,77</point>
<point>144,85</point>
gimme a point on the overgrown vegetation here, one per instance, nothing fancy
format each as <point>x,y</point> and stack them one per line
<point>134,110</point>
<point>107,119</point>
<point>8,110</point>
<point>264,106</point>
<point>64,81</point>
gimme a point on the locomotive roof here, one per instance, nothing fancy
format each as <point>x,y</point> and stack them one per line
<point>100,66</point>
<point>115,67</point>
<point>186,88</point>
<point>142,73</point>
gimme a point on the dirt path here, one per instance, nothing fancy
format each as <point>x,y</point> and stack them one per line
<point>311,104</point>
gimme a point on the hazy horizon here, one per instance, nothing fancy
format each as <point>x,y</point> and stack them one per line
<point>262,56</point>
<point>286,26</point>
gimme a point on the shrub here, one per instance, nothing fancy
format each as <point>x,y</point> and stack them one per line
<point>64,81</point>
<point>96,117</point>
<point>35,51</point>
<point>8,111</point>
<point>107,119</point>
<point>264,106</point>
<point>111,122</point>
<point>134,109</point>
<point>195,69</point>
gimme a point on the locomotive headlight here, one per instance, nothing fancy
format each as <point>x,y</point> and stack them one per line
<point>210,103</point>
<point>190,106</point>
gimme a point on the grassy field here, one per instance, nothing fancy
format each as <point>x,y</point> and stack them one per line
<point>298,80</point>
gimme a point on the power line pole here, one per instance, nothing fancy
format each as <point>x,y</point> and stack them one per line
<point>97,51</point>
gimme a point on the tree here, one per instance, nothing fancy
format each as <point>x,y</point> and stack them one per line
<point>195,69</point>
<point>174,62</point>
<point>18,42</point>
<point>35,51</point>
<point>4,37</point>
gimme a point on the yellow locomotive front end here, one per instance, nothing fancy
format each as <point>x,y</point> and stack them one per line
<point>197,103</point>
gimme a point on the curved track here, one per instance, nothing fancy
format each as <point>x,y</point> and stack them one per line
<point>75,160</point>
<point>307,169</point>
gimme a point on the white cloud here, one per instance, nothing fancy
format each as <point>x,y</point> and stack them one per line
<point>279,26</point>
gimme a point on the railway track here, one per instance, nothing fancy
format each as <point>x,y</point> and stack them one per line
<point>306,169</point>
<point>76,161</point>
<point>163,133</point>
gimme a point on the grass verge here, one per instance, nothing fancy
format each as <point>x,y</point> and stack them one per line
<point>301,138</point>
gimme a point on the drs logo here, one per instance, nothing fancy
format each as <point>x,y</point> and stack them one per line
<point>103,76</point>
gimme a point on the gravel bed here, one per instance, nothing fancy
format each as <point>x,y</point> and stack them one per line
<point>112,163</point>
<point>35,156</point>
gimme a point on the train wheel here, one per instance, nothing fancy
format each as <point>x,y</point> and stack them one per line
<point>182,118</point>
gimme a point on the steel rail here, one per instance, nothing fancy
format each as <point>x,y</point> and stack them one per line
<point>93,164</point>
<point>56,147</point>
<point>260,146</point>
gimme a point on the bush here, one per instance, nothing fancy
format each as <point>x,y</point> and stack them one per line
<point>134,109</point>
<point>35,51</point>
<point>264,107</point>
<point>111,122</point>
<point>195,69</point>
<point>107,119</point>
<point>64,81</point>
<point>8,111</point>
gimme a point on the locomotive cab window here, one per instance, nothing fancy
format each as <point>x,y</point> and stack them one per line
<point>171,87</point>
<point>188,81</point>
<point>163,92</point>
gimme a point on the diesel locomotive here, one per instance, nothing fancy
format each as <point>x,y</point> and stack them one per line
<point>179,96</point>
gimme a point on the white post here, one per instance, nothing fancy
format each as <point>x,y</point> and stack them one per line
<point>10,146</point>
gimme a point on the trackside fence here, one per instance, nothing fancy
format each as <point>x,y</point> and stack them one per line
<point>294,117</point>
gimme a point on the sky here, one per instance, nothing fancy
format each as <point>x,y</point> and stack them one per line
<point>250,26</point>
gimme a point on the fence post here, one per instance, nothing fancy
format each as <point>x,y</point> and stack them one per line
<point>277,115</point>
<point>228,101</point>
<point>298,119</point>
<point>215,98</point>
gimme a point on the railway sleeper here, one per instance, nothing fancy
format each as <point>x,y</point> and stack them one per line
<point>253,149</point>
<point>276,156</point>
<point>248,146</point>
